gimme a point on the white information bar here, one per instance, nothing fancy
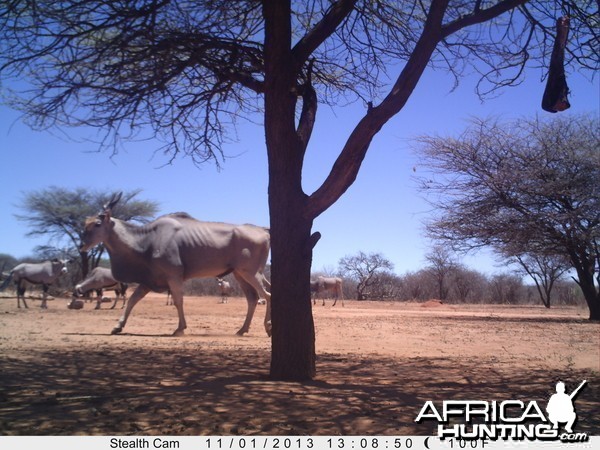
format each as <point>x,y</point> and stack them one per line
<point>277,443</point>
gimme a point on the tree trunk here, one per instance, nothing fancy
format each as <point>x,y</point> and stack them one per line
<point>293,339</point>
<point>85,264</point>
<point>590,293</point>
<point>585,267</point>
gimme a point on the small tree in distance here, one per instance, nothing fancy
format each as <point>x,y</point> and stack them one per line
<point>366,270</point>
<point>441,266</point>
<point>545,271</point>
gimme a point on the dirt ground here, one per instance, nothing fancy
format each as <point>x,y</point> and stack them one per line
<point>62,373</point>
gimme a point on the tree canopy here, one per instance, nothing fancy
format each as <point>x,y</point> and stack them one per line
<point>528,187</point>
<point>185,71</point>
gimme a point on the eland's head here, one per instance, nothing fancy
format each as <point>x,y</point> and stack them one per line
<point>96,228</point>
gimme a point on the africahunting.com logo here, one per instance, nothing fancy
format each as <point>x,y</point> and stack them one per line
<point>508,419</point>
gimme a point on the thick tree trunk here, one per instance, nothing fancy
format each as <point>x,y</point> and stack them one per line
<point>293,339</point>
<point>591,294</point>
<point>585,267</point>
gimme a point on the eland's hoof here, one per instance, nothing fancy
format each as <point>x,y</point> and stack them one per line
<point>269,328</point>
<point>116,330</point>
<point>178,333</point>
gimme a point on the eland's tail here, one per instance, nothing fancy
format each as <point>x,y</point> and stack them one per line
<point>6,282</point>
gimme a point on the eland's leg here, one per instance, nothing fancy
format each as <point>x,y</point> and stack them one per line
<point>139,293</point>
<point>267,294</point>
<point>251,299</point>
<point>177,296</point>
<point>259,285</point>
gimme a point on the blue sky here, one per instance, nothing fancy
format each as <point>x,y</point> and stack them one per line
<point>382,211</point>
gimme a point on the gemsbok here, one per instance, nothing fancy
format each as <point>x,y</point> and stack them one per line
<point>225,288</point>
<point>161,255</point>
<point>101,279</point>
<point>44,273</point>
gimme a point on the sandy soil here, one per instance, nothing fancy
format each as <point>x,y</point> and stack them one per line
<point>62,373</point>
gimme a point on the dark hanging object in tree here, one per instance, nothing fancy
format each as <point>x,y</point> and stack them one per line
<point>556,93</point>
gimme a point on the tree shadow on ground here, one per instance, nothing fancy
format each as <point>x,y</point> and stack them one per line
<point>156,391</point>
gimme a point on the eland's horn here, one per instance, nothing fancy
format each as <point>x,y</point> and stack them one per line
<point>113,201</point>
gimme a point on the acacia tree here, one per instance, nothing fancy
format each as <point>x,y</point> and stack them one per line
<point>182,71</point>
<point>441,266</point>
<point>59,214</point>
<point>529,187</point>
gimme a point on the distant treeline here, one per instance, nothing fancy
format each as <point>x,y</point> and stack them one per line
<point>459,286</point>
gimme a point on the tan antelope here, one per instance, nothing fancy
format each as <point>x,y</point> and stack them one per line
<point>161,255</point>
<point>322,285</point>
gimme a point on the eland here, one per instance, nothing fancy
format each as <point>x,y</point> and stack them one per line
<point>161,255</point>
<point>327,284</point>
<point>44,273</point>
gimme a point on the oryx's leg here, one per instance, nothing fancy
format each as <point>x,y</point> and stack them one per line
<point>137,295</point>
<point>98,299</point>
<point>177,296</point>
<point>116,300</point>
<point>259,285</point>
<point>44,296</point>
<point>21,295</point>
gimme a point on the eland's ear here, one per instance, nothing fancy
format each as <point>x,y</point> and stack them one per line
<point>113,201</point>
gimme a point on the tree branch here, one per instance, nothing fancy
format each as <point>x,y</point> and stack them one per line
<point>322,30</point>
<point>348,164</point>
<point>480,16</point>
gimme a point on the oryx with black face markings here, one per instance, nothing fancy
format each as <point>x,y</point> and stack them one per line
<point>44,273</point>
